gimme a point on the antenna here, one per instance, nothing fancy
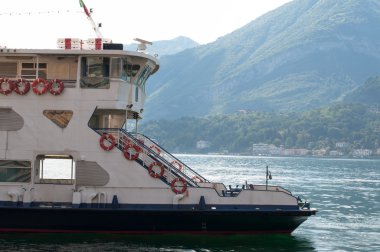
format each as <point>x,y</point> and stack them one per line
<point>88,14</point>
<point>142,46</point>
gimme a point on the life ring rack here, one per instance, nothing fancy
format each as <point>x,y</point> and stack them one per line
<point>197,179</point>
<point>8,86</point>
<point>155,149</point>
<point>152,173</point>
<point>177,164</point>
<point>174,185</point>
<point>107,138</point>
<point>128,151</point>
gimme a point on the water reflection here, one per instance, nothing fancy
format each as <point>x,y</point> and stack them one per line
<point>180,243</point>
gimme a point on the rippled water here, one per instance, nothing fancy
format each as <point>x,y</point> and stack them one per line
<point>345,191</point>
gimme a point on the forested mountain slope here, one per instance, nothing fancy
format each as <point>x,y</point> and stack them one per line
<point>303,55</point>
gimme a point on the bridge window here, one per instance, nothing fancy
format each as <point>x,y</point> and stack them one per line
<point>95,72</point>
<point>144,76</point>
<point>132,69</point>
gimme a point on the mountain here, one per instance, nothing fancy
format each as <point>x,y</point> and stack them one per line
<point>303,55</point>
<point>368,94</point>
<point>166,47</point>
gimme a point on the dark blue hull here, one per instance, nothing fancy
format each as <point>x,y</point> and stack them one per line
<point>105,220</point>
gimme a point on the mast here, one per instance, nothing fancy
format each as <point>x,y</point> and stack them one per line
<point>88,14</point>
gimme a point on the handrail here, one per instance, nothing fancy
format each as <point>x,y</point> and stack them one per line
<point>122,135</point>
<point>160,157</point>
<point>173,158</point>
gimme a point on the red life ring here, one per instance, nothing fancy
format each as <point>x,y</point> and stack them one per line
<point>40,86</point>
<point>56,87</point>
<point>6,86</point>
<point>177,164</point>
<point>131,151</point>
<point>155,149</point>
<point>107,138</point>
<point>197,179</point>
<point>22,86</point>
<point>174,186</point>
<point>152,173</point>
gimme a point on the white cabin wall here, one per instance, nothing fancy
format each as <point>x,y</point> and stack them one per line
<point>3,144</point>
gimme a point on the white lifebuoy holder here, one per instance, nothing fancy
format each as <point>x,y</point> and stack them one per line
<point>107,142</point>
<point>6,86</point>
<point>56,87</point>
<point>40,86</point>
<point>22,87</point>
<point>197,179</point>
<point>177,165</point>
<point>131,152</point>
<point>152,170</point>
<point>178,185</point>
<point>155,149</point>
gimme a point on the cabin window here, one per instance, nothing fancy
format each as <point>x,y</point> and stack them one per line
<point>136,93</point>
<point>144,76</point>
<point>8,69</point>
<point>124,67</point>
<point>15,171</point>
<point>116,68</point>
<point>132,70</point>
<point>95,72</point>
<point>55,169</point>
<point>31,71</point>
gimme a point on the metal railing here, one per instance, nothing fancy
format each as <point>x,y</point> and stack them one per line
<point>150,151</point>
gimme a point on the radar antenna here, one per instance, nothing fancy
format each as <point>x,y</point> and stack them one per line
<point>142,46</point>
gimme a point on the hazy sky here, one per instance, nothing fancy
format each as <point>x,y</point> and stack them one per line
<point>122,20</point>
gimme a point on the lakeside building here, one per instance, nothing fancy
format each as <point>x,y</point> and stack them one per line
<point>342,145</point>
<point>362,153</point>
<point>202,144</point>
<point>319,153</point>
<point>296,152</point>
<point>266,149</point>
<point>336,153</point>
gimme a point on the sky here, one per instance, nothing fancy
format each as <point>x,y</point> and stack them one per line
<point>39,23</point>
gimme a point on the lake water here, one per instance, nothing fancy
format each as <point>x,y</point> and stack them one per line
<point>345,191</point>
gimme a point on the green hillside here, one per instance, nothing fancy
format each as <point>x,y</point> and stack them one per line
<point>369,93</point>
<point>303,55</point>
<point>355,124</point>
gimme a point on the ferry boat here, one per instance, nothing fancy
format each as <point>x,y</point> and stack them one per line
<point>68,164</point>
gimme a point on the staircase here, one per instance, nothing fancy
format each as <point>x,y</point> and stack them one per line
<point>153,157</point>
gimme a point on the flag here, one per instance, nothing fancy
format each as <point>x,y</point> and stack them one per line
<point>81,3</point>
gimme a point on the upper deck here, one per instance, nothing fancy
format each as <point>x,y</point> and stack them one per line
<point>92,75</point>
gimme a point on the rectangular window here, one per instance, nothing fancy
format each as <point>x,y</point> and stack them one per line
<point>136,93</point>
<point>31,71</point>
<point>95,72</point>
<point>116,64</point>
<point>15,171</point>
<point>55,169</point>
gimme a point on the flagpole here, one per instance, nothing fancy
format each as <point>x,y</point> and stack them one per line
<point>88,14</point>
<point>266,180</point>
